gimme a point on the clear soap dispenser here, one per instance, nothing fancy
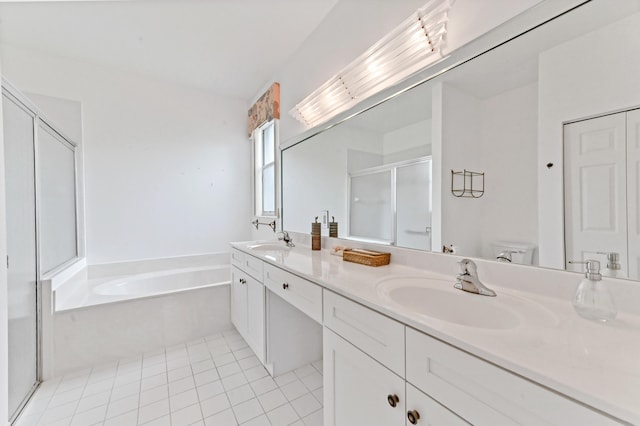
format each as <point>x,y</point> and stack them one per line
<point>593,300</point>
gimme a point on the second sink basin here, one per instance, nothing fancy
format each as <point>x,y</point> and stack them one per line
<point>436,298</point>
<point>268,247</point>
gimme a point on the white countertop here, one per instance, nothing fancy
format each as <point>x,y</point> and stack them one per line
<point>594,363</point>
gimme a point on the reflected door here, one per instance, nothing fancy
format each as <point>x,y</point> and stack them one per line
<point>370,206</point>
<point>413,206</point>
<point>595,189</point>
<point>633,192</point>
<point>21,250</point>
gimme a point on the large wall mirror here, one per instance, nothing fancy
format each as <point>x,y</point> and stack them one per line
<point>548,118</point>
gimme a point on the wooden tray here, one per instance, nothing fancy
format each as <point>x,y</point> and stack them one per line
<point>367,257</point>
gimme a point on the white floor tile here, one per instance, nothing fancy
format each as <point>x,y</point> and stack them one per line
<point>305,405</point>
<point>126,419</point>
<point>314,419</point>
<point>226,418</point>
<point>91,417</point>
<point>263,385</point>
<point>283,415</point>
<point>247,410</point>
<point>154,411</point>
<point>156,394</point>
<point>273,399</point>
<point>183,400</point>
<point>217,381</point>
<point>215,405</point>
<point>210,390</point>
<point>294,390</point>
<point>186,416</point>
<point>319,395</point>
<point>240,394</point>
<point>234,381</point>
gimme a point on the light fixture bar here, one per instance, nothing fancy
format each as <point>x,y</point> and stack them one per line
<point>409,47</point>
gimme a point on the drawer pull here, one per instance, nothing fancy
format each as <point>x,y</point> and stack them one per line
<point>393,400</point>
<point>242,281</point>
<point>285,286</point>
<point>413,417</point>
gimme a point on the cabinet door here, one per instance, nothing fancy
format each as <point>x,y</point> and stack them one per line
<point>239,300</point>
<point>422,410</point>
<point>255,317</point>
<point>357,389</point>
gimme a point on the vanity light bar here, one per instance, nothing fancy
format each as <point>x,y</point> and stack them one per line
<point>411,46</point>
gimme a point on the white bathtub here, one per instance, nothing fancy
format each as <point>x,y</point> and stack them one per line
<point>112,311</point>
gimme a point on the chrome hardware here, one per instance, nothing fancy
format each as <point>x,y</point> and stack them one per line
<point>285,286</point>
<point>286,238</point>
<point>413,417</point>
<point>592,271</point>
<point>393,400</point>
<point>505,255</point>
<point>467,279</point>
<point>271,225</point>
<point>613,260</point>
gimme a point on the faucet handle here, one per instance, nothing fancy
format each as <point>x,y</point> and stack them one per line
<point>468,267</point>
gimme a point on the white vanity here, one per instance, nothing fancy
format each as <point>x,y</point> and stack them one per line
<point>518,358</point>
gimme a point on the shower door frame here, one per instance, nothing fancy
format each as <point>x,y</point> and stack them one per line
<point>14,95</point>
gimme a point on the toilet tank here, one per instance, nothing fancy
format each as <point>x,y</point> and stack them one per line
<point>522,252</point>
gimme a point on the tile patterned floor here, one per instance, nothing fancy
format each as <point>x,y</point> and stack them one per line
<point>215,381</point>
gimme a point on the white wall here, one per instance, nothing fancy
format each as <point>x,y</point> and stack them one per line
<point>570,86</point>
<point>509,159</point>
<point>164,163</point>
<point>315,176</point>
<point>4,307</point>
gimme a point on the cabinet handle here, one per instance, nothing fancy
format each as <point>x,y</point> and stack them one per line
<point>242,281</point>
<point>393,400</point>
<point>285,286</point>
<point>413,417</point>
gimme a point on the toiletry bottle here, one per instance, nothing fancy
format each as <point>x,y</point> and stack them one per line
<point>613,268</point>
<point>333,228</point>
<point>315,235</point>
<point>593,300</point>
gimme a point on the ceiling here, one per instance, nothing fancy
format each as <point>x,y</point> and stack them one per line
<point>229,47</point>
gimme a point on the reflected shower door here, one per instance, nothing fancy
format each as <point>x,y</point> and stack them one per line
<point>21,249</point>
<point>413,205</point>
<point>370,206</point>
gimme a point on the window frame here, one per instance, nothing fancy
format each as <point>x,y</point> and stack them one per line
<point>258,167</point>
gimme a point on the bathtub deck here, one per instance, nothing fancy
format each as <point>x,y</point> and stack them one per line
<point>212,381</point>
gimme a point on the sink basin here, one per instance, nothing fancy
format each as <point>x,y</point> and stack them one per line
<point>437,299</point>
<point>269,247</point>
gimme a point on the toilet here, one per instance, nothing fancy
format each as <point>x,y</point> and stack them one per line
<point>522,253</point>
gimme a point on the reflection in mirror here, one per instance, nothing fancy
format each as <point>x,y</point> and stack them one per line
<point>506,113</point>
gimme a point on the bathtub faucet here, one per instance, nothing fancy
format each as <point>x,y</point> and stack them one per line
<point>286,238</point>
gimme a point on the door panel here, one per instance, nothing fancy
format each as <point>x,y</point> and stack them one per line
<point>595,189</point>
<point>21,249</point>
<point>633,192</point>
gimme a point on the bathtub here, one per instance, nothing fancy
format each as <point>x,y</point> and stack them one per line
<point>112,311</point>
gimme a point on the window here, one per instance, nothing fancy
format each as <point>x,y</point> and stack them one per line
<point>264,154</point>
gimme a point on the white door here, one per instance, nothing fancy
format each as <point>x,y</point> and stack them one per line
<point>357,389</point>
<point>21,251</point>
<point>239,300</point>
<point>255,317</point>
<point>595,189</point>
<point>633,192</point>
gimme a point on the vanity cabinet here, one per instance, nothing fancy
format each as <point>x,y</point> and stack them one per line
<point>248,301</point>
<point>357,389</point>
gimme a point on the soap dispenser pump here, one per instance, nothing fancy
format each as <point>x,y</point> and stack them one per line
<point>613,268</point>
<point>593,300</point>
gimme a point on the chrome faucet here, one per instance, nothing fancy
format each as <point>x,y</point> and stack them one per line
<point>467,279</point>
<point>286,238</point>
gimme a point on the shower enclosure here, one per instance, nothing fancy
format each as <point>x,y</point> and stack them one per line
<point>392,204</point>
<point>41,215</point>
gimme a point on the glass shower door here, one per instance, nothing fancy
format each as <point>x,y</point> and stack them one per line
<point>413,205</point>
<point>21,249</point>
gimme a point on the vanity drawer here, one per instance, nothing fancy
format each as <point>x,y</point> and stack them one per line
<point>304,295</point>
<point>483,393</point>
<point>247,263</point>
<point>380,337</point>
